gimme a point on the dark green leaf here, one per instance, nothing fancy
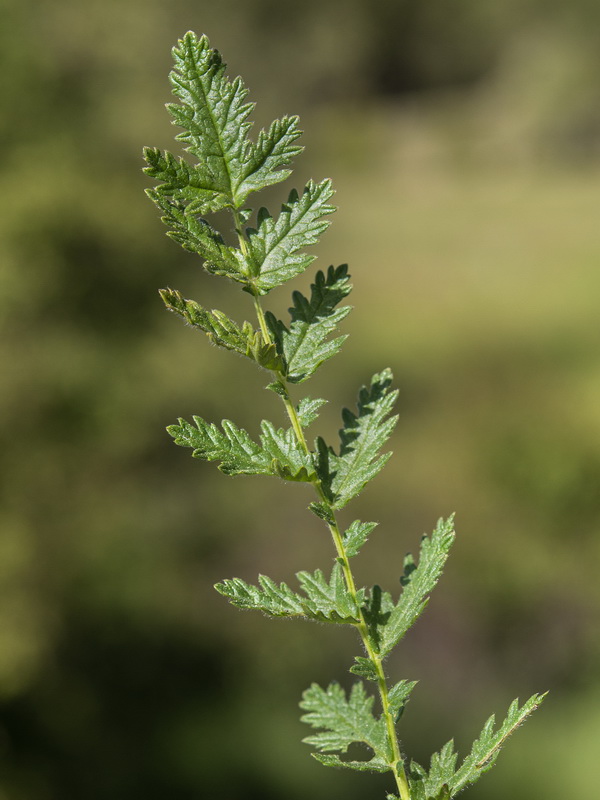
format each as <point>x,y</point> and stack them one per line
<point>361,439</point>
<point>197,236</point>
<point>364,668</point>
<point>304,346</point>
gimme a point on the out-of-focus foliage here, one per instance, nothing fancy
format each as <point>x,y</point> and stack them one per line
<point>475,128</point>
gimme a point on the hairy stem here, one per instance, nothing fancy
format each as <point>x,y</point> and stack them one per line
<point>396,764</point>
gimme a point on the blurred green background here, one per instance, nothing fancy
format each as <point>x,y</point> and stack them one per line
<point>464,142</point>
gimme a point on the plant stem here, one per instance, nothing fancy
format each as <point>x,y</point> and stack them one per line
<point>396,764</point>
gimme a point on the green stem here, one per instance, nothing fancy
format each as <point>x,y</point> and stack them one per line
<point>396,765</point>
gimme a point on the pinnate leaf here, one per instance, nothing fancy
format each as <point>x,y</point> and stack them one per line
<point>223,331</point>
<point>344,721</point>
<point>185,184</point>
<point>356,535</point>
<point>487,746</point>
<point>361,439</point>
<point>308,410</point>
<point>274,245</point>
<point>304,346</point>
<point>387,620</point>
<point>264,160</point>
<point>278,454</point>
<point>197,236</point>
<point>212,113</point>
<point>321,600</point>
<point>215,120</point>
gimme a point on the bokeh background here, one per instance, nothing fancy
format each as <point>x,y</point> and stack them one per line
<point>464,141</point>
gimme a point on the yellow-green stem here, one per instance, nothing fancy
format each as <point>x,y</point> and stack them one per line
<point>396,765</point>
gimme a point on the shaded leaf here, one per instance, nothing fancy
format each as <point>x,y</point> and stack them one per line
<point>197,236</point>
<point>304,345</point>
<point>364,668</point>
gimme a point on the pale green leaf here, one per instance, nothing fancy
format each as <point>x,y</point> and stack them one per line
<point>278,454</point>
<point>364,668</point>
<point>398,697</point>
<point>356,535</point>
<point>223,331</point>
<point>329,599</point>
<point>308,410</point>
<point>418,582</point>
<point>344,721</point>
<point>486,748</point>
<point>304,345</point>
<point>271,598</point>
<point>374,764</point>
<point>320,600</point>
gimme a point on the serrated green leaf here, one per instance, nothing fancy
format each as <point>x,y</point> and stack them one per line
<point>289,460</point>
<point>321,600</point>
<point>273,150</point>
<point>183,183</point>
<point>275,600</point>
<point>435,784</point>
<point>212,113</point>
<point>377,607</point>
<point>375,764</point>
<point>398,697</point>
<point>418,582</point>
<point>197,236</point>
<point>279,453</point>
<point>304,346</point>
<point>345,721</point>
<point>329,600</point>
<point>487,746</point>
<point>356,535</point>
<point>223,331</point>
<point>322,511</point>
<point>232,446</point>
<point>364,668</point>
<point>274,247</point>
<point>343,476</point>
<point>308,410</point>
